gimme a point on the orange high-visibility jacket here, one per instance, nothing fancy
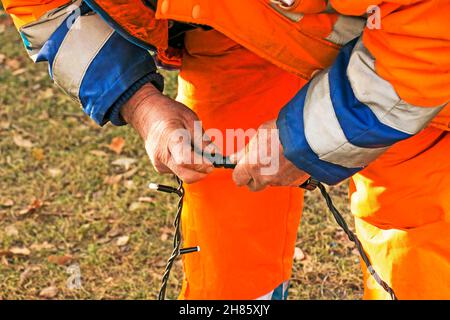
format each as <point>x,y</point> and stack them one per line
<point>302,38</point>
<point>383,87</point>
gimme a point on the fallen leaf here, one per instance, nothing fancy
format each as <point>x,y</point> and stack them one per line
<point>112,179</point>
<point>38,154</point>
<point>165,232</point>
<point>299,255</point>
<point>36,204</point>
<point>49,292</point>
<point>124,162</point>
<point>135,206</point>
<point>7,203</point>
<point>129,184</point>
<point>3,260</point>
<point>2,28</point>
<point>20,251</point>
<point>5,125</point>
<point>117,145</point>
<point>122,241</point>
<point>114,232</point>
<point>13,64</point>
<point>24,276</point>
<point>130,173</point>
<point>44,115</point>
<point>164,237</point>
<point>54,172</point>
<point>21,142</point>
<point>146,199</point>
<point>99,153</point>
<point>103,240</point>
<point>60,260</point>
<point>46,94</point>
<point>42,246</point>
<point>11,231</point>
<point>2,58</point>
<point>19,71</point>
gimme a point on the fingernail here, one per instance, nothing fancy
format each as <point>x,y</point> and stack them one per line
<point>210,169</point>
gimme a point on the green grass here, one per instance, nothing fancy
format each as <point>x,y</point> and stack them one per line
<point>83,217</point>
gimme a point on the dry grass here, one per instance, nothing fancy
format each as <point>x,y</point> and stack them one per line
<point>63,202</point>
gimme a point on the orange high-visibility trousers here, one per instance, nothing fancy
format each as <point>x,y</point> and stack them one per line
<point>246,239</point>
<point>401,204</point>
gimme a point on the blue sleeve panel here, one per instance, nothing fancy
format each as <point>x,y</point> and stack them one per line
<point>118,70</point>
<point>357,121</point>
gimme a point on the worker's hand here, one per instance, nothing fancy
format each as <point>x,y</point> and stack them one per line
<point>167,127</point>
<point>263,164</point>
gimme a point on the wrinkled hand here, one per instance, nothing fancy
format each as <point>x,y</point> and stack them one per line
<point>167,127</point>
<point>263,164</point>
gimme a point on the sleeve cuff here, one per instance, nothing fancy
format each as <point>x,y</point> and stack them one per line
<point>296,149</point>
<point>113,115</point>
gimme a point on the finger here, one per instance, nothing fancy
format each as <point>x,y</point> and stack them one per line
<point>199,139</point>
<point>300,181</point>
<point>161,168</point>
<point>255,185</point>
<point>200,163</point>
<point>182,155</point>
<point>241,175</point>
<point>187,175</point>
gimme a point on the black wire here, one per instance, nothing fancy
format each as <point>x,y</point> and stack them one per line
<point>336,214</point>
<point>176,241</point>
<point>352,237</point>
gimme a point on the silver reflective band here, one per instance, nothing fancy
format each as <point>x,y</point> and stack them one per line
<point>346,29</point>
<point>324,133</point>
<point>380,96</point>
<point>38,32</point>
<point>287,3</point>
<point>80,46</point>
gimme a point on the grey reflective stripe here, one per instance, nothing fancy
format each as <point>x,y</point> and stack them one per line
<point>79,47</point>
<point>293,16</point>
<point>38,32</point>
<point>324,133</point>
<point>346,29</point>
<point>380,96</point>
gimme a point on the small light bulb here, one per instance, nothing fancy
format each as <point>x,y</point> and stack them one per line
<point>153,186</point>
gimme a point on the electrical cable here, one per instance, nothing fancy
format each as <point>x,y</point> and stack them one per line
<point>311,184</point>
<point>177,237</point>
<point>352,237</point>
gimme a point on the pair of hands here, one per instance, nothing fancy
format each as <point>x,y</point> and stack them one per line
<point>167,126</point>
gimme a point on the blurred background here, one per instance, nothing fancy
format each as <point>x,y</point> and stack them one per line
<point>74,203</point>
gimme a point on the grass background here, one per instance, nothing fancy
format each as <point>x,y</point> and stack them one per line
<point>65,199</point>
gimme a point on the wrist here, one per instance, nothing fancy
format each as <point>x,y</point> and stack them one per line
<point>135,111</point>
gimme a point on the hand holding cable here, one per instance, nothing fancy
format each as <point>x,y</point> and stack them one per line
<point>262,163</point>
<point>167,126</point>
